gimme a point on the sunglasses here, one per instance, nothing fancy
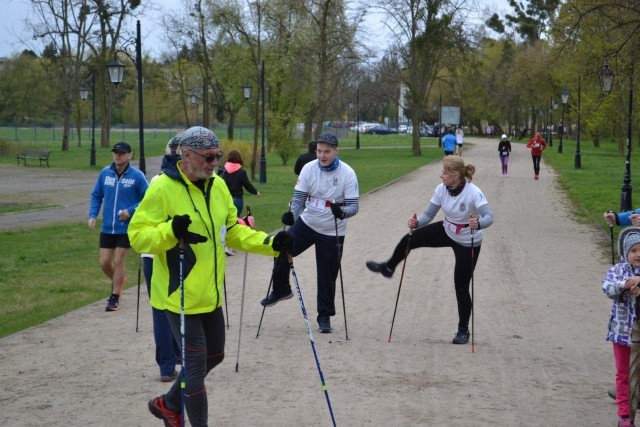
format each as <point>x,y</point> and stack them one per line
<point>209,158</point>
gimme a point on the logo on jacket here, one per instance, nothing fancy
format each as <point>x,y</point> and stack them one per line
<point>463,207</point>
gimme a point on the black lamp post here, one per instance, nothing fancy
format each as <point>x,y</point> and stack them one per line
<point>263,158</point>
<point>554,106</point>
<point>440,122</point>
<point>357,119</point>
<point>116,74</point>
<point>565,98</point>
<point>84,94</point>
<point>606,81</point>
<point>578,159</point>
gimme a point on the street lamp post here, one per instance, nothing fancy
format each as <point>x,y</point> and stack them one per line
<point>625,197</point>
<point>84,94</point>
<point>263,159</point>
<point>116,74</point>
<point>565,98</point>
<point>349,115</point>
<point>440,122</point>
<point>357,118</point>
<point>194,103</point>
<point>578,159</point>
<point>554,106</point>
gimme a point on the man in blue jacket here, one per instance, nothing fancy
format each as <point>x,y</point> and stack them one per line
<point>449,143</point>
<point>120,187</point>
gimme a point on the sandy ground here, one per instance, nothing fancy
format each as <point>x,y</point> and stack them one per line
<point>540,320</point>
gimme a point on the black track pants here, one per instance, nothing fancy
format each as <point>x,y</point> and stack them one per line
<point>434,236</point>
<point>204,341</point>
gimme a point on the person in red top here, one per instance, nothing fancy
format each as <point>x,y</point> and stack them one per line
<point>537,145</point>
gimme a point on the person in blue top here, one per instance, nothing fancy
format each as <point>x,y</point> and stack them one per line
<point>118,190</point>
<point>449,143</point>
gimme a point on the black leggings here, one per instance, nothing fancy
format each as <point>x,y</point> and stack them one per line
<point>204,340</point>
<point>434,236</point>
<point>536,164</point>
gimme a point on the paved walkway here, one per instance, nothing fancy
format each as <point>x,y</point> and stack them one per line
<point>540,321</point>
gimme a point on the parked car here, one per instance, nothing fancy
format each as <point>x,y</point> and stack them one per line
<point>402,128</point>
<point>380,130</point>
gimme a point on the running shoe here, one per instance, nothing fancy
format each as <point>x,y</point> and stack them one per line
<point>113,304</point>
<point>159,410</point>
<point>324,326</point>
<point>462,337</point>
<point>380,268</point>
<point>273,299</point>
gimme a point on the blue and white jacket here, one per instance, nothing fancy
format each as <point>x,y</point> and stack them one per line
<point>117,194</point>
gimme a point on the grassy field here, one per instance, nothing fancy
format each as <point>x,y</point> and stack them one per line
<point>40,282</point>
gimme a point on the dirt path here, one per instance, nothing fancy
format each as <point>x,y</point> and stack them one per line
<point>540,321</point>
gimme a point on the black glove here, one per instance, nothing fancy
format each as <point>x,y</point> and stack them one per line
<point>180,225</point>
<point>287,218</point>
<point>282,241</point>
<point>194,238</point>
<point>336,211</point>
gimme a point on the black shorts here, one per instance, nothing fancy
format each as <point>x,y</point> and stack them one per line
<point>112,241</point>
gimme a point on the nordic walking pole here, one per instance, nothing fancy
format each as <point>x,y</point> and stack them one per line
<point>344,308</point>
<point>273,271</point>
<point>226,303</point>
<point>268,290</point>
<point>138,303</point>
<point>183,376</point>
<point>473,347</point>
<point>310,334</point>
<point>244,282</point>
<point>404,263</point>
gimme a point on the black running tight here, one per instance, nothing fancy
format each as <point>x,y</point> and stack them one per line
<point>434,236</point>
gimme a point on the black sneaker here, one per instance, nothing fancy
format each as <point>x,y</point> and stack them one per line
<point>273,299</point>
<point>324,326</point>
<point>113,304</point>
<point>380,268</point>
<point>462,337</point>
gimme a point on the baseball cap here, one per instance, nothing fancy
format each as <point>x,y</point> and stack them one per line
<point>504,136</point>
<point>122,146</point>
<point>328,139</point>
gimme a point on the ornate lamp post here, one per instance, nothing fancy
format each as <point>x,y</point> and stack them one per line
<point>357,119</point>
<point>554,106</point>
<point>263,158</point>
<point>246,91</point>
<point>578,159</point>
<point>565,98</point>
<point>116,74</point>
<point>84,94</point>
<point>606,82</point>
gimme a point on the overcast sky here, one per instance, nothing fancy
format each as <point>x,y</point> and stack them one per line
<point>14,12</point>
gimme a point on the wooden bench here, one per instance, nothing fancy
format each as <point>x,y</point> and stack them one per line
<point>41,155</point>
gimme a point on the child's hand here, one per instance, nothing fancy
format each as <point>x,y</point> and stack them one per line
<point>632,284</point>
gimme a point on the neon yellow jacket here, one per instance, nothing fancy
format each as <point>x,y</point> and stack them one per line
<point>213,215</point>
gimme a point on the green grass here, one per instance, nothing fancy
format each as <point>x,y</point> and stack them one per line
<point>39,282</point>
<point>42,281</point>
<point>6,208</point>
<point>595,187</point>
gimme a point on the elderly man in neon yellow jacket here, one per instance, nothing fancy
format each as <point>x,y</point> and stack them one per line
<point>188,202</point>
